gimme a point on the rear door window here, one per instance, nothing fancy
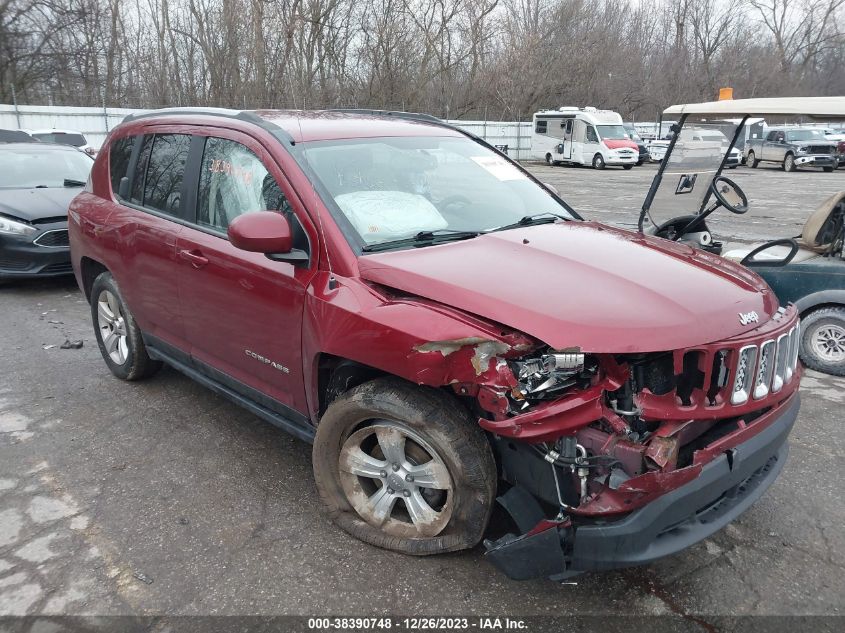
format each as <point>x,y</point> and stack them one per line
<point>159,172</point>
<point>119,154</point>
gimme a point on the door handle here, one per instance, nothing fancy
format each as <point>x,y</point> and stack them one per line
<point>194,257</point>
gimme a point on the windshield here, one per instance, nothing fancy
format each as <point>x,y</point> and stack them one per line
<point>65,138</point>
<point>695,160</point>
<point>389,189</point>
<point>612,132</point>
<point>805,135</point>
<point>27,168</point>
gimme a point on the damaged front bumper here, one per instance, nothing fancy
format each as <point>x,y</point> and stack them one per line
<point>725,487</point>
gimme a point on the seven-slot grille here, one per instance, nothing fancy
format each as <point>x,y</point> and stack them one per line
<point>732,377</point>
<point>53,239</point>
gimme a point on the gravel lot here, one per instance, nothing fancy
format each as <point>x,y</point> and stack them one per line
<point>160,498</point>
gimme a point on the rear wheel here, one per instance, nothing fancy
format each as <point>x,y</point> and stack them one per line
<point>404,468</point>
<point>118,336</point>
<point>828,169</point>
<point>751,161</point>
<point>823,341</point>
<point>598,161</point>
<point>789,163</point>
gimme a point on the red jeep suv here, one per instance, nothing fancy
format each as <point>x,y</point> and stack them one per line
<point>445,330</point>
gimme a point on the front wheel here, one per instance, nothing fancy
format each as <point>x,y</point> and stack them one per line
<point>404,468</point>
<point>549,160</point>
<point>751,161</point>
<point>118,336</point>
<point>823,341</point>
<point>828,169</point>
<point>789,163</point>
<point>598,162</point>
<point>627,166</point>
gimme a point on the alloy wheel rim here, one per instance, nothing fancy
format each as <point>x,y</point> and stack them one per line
<point>396,481</point>
<point>112,325</point>
<point>828,342</point>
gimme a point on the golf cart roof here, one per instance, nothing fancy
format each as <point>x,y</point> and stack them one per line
<point>826,108</point>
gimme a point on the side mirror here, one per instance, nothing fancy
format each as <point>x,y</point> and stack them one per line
<point>560,148</point>
<point>265,232</point>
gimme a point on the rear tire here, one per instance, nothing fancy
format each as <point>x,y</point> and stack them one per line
<point>118,336</point>
<point>828,169</point>
<point>789,163</point>
<point>367,432</point>
<point>598,162</point>
<point>823,340</point>
<point>751,161</point>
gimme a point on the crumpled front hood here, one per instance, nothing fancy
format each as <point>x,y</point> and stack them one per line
<point>582,284</point>
<point>36,204</point>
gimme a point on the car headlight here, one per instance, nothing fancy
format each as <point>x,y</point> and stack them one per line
<point>801,150</point>
<point>13,227</point>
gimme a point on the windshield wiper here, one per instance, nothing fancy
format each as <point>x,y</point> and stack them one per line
<point>70,182</point>
<point>546,217</point>
<point>423,238</point>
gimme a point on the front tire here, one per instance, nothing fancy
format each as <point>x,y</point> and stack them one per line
<point>549,160</point>
<point>828,169</point>
<point>627,166</point>
<point>598,162</point>
<point>118,336</point>
<point>404,468</point>
<point>751,161</point>
<point>823,340</point>
<point>789,163</point>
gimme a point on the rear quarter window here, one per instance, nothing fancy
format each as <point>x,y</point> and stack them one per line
<point>120,151</point>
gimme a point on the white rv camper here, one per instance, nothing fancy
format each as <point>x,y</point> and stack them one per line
<point>584,136</point>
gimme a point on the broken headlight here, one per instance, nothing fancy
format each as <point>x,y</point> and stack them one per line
<point>546,374</point>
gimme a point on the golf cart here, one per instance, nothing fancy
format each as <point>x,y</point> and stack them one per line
<point>807,270</point>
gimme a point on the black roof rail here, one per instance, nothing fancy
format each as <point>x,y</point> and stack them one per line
<point>243,115</point>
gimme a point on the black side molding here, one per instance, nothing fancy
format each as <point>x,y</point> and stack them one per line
<point>283,417</point>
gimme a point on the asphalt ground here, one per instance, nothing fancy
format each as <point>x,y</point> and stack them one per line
<point>160,498</point>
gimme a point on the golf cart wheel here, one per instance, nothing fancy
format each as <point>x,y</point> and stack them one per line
<point>751,161</point>
<point>828,169</point>
<point>118,336</point>
<point>598,162</point>
<point>404,468</point>
<point>789,163</point>
<point>823,341</point>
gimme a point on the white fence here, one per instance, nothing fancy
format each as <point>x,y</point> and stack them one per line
<point>95,124</point>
